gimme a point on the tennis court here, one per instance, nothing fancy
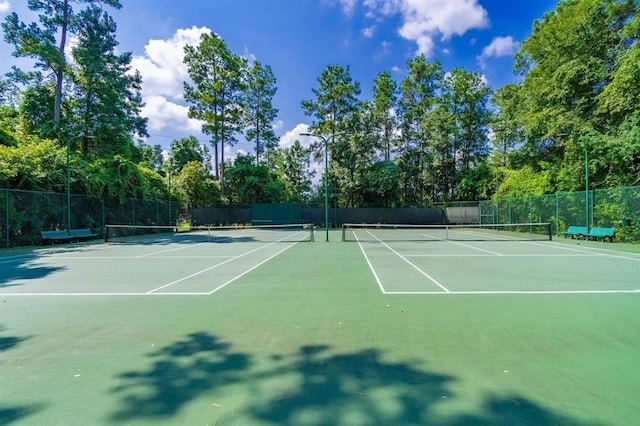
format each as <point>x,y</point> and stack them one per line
<point>266,326</point>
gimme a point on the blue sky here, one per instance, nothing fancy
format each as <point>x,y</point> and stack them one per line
<point>299,38</point>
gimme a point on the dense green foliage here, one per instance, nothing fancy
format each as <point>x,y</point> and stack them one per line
<point>436,135</point>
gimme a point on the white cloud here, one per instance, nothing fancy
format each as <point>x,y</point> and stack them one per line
<point>71,44</point>
<point>499,46</point>
<point>231,153</point>
<point>166,115</point>
<point>162,69</point>
<point>425,20</point>
<point>383,7</point>
<point>293,135</point>
<point>163,76</point>
<point>5,6</point>
<point>348,6</point>
<point>369,31</point>
<point>250,57</point>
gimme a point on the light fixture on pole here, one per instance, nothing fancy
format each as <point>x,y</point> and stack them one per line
<point>325,140</point>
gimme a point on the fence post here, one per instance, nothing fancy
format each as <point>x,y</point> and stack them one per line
<point>6,206</point>
<point>104,218</point>
<point>557,214</point>
<point>592,200</point>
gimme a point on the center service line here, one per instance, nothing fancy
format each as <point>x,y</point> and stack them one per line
<point>414,266</point>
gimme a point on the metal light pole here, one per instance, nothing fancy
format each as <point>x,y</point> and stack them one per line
<point>586,186</point>
<point>69,186</point>
<point>326,177</point>
<point>169,176</point>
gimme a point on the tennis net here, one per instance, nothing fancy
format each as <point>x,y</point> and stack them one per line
<point>473,232</point>
<point>136,234</point>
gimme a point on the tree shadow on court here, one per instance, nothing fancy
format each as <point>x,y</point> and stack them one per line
<point>10,415</point>
<point>328,388</point>
<point>361,388</point>
<point>23,268</point>
<point>14,414</point>
<point>10,342</point>
<point>178,373</point>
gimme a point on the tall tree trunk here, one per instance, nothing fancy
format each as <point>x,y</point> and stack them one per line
<point>215,159</point>
<point>57,106</point>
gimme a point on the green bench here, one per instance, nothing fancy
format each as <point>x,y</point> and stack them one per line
<point>82,234</point>
<point>575,232</point>
<point>51,237</point>
<point>601,234</point>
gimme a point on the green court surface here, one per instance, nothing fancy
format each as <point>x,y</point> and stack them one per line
<point>220,332</point>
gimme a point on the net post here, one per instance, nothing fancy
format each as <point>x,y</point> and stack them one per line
<point>549,230</point>
<point>311,237</point>
<point>344,233</point>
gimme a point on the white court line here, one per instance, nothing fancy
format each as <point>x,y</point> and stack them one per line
<point>138,258</point>
<point>559,246</point>
<point>375,275</point>
<point>216,265</point>
<point>168,250</point>
<point>490,292</point>
<point>506,255</point>
<point>432,237</point>
<point>609,250</point>
<point>251,269</point>
<point>409,262</point>
<point>429,293</point>
<point>589,250</point>
<point>491,236</point>
<point>96,294</point>
<point>475,248</point>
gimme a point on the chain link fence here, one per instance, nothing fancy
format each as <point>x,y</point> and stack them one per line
<point>23,214</point>
<point>617,208</point>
